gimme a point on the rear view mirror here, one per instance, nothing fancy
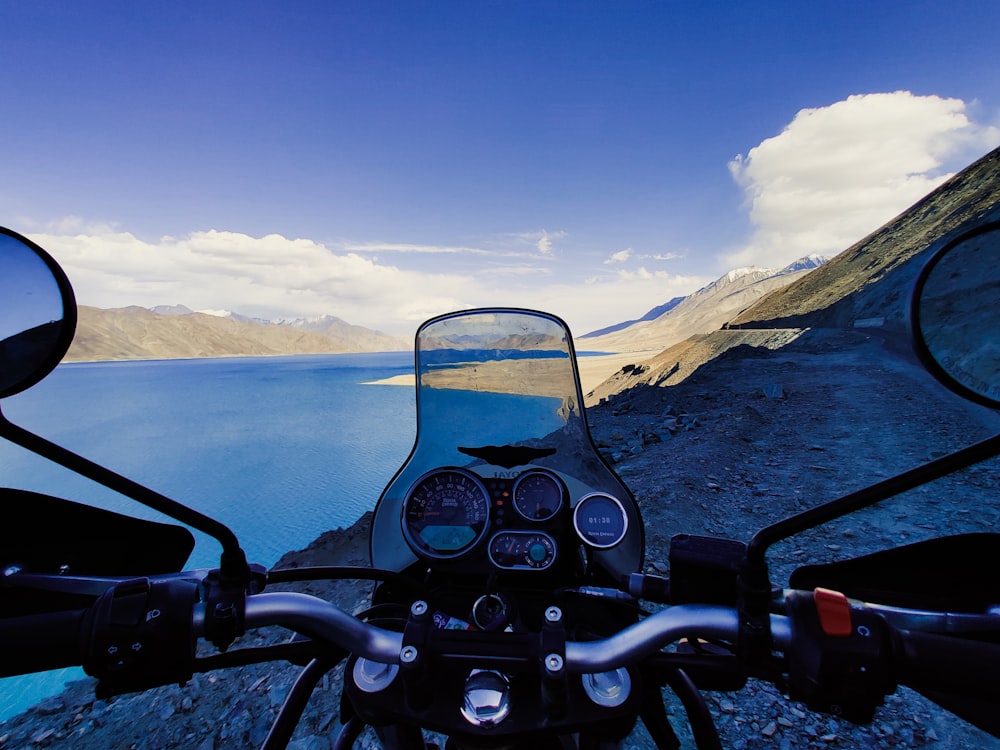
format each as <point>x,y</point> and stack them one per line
<point>37,313</point>
<point>955,313</point>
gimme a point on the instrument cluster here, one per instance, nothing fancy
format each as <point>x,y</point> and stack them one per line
<point>511,523</point>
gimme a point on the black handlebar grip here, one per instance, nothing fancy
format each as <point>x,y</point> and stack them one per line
<point>947,664</point>
<point>35,643</point>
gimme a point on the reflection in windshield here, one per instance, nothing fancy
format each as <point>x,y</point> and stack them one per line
<point>514,372</point>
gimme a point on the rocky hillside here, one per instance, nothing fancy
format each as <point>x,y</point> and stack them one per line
<point>704,311</point>
<point>138,333</point>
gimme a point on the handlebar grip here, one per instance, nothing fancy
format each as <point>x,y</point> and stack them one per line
<point>35,643</point>
<point>947,664</point>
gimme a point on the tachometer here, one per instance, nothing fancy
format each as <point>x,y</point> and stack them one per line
<point>537,495</point>
<point>445,513</point>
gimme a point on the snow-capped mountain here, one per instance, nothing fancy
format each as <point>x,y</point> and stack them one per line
<point>701,312</point>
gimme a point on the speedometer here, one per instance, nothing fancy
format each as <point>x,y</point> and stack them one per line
<point>445,513</point>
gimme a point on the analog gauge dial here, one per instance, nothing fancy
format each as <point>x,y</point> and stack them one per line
<point>522,550</point>
<point>445,513</point>
<point>600,520</point>
<point>537,495</point>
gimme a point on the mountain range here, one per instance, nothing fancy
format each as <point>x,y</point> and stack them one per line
<point>176,332</point>
<point>705,310</point>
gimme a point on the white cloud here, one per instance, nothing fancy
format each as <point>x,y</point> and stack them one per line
<point>276,277</point>
<point>837,173</point>
<point>269,276</point>
<point>543,240</point>
<point>523,271</point>
<point>398,247</point>
<point>620,257</point>
<point>629,254</point>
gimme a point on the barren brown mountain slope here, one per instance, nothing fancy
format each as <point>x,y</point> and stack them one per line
<point>702,312</point>
<point>138,333</point>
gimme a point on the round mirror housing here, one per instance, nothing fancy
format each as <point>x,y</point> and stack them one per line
<point>955,314</point>
<point>37,313</point>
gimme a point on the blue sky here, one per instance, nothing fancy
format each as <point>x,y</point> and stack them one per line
<point>386,161</point>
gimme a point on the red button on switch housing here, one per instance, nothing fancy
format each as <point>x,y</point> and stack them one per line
<point>834,612</point>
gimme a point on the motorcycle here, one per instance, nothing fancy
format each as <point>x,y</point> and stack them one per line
<point>507,559</point>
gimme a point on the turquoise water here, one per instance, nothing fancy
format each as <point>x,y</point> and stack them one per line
<point>278,448</point>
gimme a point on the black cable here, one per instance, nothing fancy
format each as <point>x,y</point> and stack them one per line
<point>295,652</point>
<point>706,735</point>
<point>295,704</point>
<point>348,734</point>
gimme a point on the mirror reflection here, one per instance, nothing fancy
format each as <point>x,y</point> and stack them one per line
<point>33,331</point>
<point>959,312</point>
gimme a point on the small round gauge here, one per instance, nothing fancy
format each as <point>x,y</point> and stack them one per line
<point>537,495</point>
<point>600,520</point>
<point>522,550</point>
<point>445,513</point>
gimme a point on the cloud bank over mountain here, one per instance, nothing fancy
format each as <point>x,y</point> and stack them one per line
<point>836,173</point>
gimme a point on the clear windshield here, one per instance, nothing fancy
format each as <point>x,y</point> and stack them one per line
<point>494,379</point>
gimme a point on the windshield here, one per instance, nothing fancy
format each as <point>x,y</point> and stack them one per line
<point>498,393</point>
<point>493,379</point>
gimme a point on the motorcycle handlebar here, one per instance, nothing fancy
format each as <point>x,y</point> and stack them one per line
<point>925,661</point>
<point>57,639</point>
<point>929,662</point>
<point>322,620</point>
<point>39,642</point>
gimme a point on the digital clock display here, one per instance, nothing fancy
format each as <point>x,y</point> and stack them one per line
<point>600,520</point>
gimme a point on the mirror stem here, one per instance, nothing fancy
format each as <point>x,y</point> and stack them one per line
<point>233,561</point>
<point>821,514</point>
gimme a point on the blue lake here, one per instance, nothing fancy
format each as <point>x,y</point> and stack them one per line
<point>280,449</point>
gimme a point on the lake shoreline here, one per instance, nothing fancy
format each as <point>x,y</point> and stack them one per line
<point>593,369</point>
